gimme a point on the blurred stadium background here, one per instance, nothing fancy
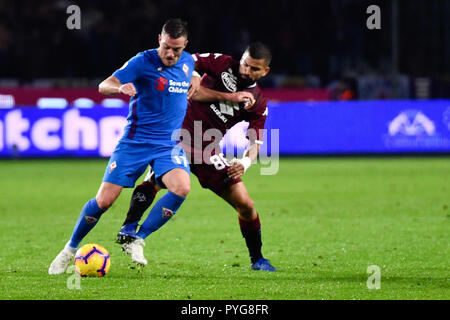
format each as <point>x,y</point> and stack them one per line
<point>376,91</point>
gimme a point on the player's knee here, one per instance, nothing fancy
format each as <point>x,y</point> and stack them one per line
<point>104,202</point>
<point>181,190</point>
<point>245,207</point>
<point>107,194</point>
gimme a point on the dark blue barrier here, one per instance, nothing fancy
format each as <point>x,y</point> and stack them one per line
<point>304,128</point>
<point>360,127</point>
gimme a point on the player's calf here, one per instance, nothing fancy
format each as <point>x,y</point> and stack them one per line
<point>251,232</point>
<point>142,198</point>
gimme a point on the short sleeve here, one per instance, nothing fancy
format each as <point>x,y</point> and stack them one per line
<point>131,70</point>
<point>211,63</point>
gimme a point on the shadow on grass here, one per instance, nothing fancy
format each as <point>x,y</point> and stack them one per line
<point>238,274</point>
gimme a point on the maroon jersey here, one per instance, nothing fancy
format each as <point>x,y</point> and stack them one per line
<point>221,73</point>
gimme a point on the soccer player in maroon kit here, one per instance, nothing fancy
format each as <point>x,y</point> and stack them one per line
<point>222,77</point>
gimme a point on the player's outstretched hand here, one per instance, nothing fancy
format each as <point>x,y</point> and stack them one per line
<point>128,89</point>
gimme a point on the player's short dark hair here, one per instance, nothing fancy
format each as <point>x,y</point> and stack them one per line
<point>258,50</point>
<point>175,28</point>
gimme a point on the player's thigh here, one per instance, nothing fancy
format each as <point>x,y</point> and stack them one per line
<point>127,163</point>
<point>172,171</point>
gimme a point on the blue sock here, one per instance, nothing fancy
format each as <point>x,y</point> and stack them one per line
<point>89,216</point>
<point>161,212</point>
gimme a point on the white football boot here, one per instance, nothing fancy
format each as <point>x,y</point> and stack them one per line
<point>62,260</point>
<point>136,250</point>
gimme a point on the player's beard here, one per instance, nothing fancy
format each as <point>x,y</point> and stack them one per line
<point>170,63</point>
<point>245,82</point>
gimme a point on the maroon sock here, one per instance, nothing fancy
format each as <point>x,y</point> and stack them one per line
<point>251,231</point>
<point>149,188</point>
<point>250,225</point>
<point>141,199</point>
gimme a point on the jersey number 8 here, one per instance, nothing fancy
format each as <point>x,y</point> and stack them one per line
<point>219,161</point>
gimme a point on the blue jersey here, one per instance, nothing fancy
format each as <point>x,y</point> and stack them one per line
<point>159,106</point>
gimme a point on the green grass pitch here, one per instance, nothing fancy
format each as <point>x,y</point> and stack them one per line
<point>324,222</point>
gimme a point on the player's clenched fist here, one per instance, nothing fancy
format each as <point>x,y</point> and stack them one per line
<point>236,171</point>
<point>128,89</point>
<point>238,167</point>
<point>244,96</point>
<point>194,87</point>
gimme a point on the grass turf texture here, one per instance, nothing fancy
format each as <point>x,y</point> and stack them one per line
<point>324,221</point>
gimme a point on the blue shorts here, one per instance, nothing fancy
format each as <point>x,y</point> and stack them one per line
<point>130,160</point>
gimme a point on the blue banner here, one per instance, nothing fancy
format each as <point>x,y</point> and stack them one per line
<point>294,128</point>
<point>360,127</point>
<point>34,132</point>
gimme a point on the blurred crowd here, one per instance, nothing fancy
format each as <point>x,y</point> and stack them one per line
<point>326,38</point>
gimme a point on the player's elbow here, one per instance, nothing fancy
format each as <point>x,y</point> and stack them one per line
<point>102,87</point>
<point>109,86</point>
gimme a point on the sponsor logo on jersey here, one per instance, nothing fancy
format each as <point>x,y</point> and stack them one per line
<point>411,123</point>
<point>166,213</point>
<point>218,113</point>
<point>186,70</point>
<point>90,220</point>
<point>229,81</point>
<point>161,84</point>
<point>228,108</point>
<point>112,166</point>
<point>178,86</point>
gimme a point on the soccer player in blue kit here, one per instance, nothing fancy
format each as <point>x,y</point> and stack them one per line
<point>157,81</point>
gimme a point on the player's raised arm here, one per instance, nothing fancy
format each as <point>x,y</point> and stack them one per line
<point>121,81</point>
<point>207,95</point>
<point>112,85</point>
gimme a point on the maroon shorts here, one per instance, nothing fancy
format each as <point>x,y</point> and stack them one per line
<point>212,173</point>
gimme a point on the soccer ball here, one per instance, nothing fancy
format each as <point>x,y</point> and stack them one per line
<point>92,260</point>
